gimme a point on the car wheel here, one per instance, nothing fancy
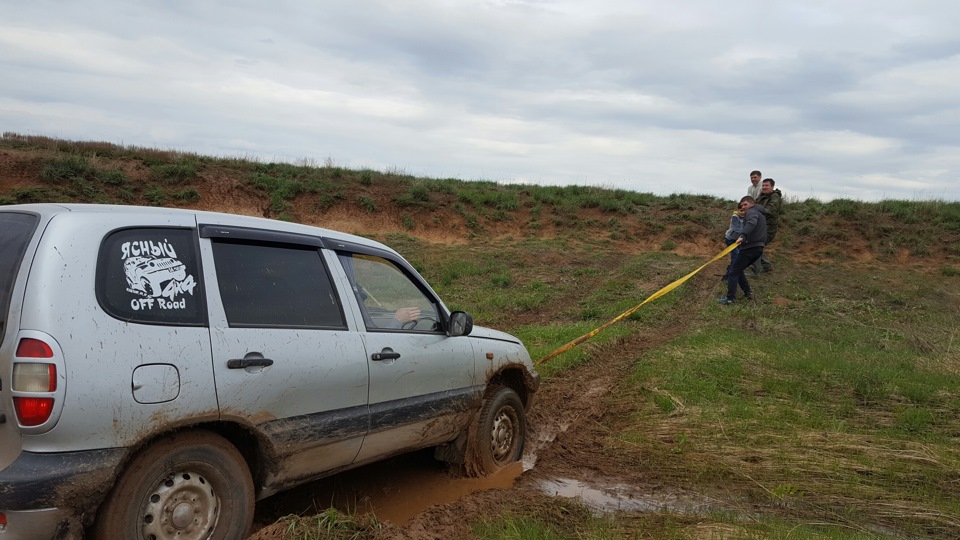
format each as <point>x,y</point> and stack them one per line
<point>498,433</point>
<point>191,485</point>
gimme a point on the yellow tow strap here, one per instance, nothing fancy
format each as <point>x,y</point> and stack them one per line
<point>627,313</point>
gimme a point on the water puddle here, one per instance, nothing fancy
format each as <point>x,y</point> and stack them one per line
<point>614,497</point>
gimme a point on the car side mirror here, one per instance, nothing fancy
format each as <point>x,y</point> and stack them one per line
<point>461,324</point>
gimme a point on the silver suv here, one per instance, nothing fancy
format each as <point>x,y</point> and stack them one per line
<point>161,370</point>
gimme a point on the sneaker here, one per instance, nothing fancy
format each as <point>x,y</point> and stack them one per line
<point>748,297</point>
<point>725,301</point>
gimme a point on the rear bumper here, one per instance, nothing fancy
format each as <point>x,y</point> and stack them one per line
<point>52,492</point>
<point>40,524</point>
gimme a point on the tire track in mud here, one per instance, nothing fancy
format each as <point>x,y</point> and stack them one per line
<point>576,396</point>
<point>572,403</point>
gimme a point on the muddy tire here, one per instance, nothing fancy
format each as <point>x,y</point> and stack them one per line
<point>498,433</point>
<point>191,485</point>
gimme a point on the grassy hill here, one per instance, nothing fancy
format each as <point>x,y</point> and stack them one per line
<point>456,211</point>
<point>828,407</point>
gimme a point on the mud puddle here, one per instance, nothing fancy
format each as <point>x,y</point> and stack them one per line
<point>612,497</point>
<point>412,492</point>
<point>395,490</point>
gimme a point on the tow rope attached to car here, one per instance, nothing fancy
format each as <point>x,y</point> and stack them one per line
<point>627,313</point>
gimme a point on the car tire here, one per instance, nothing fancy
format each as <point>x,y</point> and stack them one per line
<point>190,485</point>
<point>498,433</point>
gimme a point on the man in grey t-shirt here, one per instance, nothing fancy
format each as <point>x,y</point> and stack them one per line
<point>754,189</point>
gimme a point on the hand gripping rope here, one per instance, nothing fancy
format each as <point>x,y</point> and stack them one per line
<point>627,313</point>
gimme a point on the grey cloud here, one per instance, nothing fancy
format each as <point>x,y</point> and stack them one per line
<point>629,93</point>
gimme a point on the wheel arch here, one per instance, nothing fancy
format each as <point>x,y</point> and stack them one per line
<point>518,378</point>
<point>255,450</point>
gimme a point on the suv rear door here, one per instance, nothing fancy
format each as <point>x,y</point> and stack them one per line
<point>284,359</point>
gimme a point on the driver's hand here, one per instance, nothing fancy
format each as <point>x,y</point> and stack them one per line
<point>407,314</point>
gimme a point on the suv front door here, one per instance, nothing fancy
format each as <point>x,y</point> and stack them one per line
<point>423,384</point>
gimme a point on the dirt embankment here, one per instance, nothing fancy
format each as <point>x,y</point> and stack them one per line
<point>455,213</point>
<point>379,204</point>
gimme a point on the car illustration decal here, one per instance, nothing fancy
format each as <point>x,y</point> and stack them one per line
<point>155,275</point>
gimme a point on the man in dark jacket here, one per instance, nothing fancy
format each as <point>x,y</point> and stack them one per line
<point>770,199</point>
<point>752,240</point>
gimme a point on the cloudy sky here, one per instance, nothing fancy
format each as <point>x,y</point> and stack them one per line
<point>839,98</point>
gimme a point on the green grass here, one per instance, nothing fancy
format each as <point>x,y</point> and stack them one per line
<point>509,527</point>
<point>417,196</point>
<point>65,168</point>
<point>181,171</point>
<point>367,204</point>
<point>329,524</point>
<point>843,399</point>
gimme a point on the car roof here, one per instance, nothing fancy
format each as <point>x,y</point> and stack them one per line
<point>202,216</point>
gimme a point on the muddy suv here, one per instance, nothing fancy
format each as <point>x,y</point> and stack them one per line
<point>161,370</point>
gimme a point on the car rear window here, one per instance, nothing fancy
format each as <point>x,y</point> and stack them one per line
<point>152,276</point>
<point>16,230</point>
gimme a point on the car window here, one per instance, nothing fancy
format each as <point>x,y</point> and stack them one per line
<point>151,275</point>
<point>270,285</point>
<point>15,232</point>
<point>389,298</point>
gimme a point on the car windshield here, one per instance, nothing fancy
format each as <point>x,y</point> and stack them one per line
<point>16,229</point>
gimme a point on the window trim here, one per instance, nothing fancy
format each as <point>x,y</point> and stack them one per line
<point>260,235</point>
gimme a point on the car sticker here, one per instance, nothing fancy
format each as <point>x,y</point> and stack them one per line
<point>155,275</point>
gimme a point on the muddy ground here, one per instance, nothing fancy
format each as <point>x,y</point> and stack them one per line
<point>416,497</point>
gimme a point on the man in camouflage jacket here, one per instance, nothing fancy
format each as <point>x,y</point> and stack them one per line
<point>770,199</point>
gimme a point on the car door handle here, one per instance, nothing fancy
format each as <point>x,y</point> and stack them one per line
<point>243,363</point>
<point>386,354</point>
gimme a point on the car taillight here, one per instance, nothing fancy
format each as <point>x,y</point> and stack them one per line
<point>33,348</point>
<point>33,377</point>
<point>32,411</point>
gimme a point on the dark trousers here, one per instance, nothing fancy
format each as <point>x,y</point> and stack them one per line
<point>762,263</point>
<point>733,257</point>
<point>736,277</point>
